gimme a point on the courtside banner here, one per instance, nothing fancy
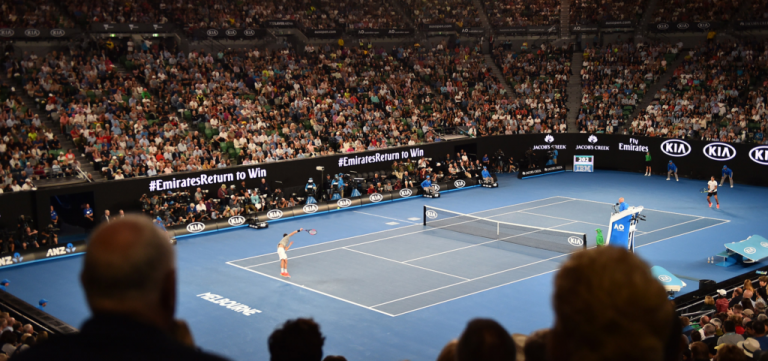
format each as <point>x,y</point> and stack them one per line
<point>301,210</point>
<point>344,203</point>
<point>376,198</point>
<point>133,28</point>
<point>533,172</point>
<point>405,193</point>
<point>275,214</point>
<point>43,253</point>
<point>37,33</point>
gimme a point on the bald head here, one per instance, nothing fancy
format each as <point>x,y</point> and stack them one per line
<point>621,200</point>
<point>129,268</point>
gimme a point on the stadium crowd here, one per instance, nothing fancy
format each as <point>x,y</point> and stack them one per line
<point>614,78</point>
<point>695,10</point>
<point>522,13</point>
<point>86,12</point>
<point>709,97</point>
<point>33,14</point>
<point>539,78</point>
<point>461,13</point>
<point>596,12</point>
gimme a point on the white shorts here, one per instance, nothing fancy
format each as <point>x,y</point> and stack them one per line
<point>281,253</point>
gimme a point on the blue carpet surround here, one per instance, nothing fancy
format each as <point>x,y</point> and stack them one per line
<point>383,287</point>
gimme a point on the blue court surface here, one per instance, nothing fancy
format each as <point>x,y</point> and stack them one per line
<point>384,287</point>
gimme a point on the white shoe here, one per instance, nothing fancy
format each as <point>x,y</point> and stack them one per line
<point>677,180</point>
<point>667,178</point>
<point>731,186</point>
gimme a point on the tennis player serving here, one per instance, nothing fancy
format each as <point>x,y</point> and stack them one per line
<point>283,246</point>
<point>712,190</point>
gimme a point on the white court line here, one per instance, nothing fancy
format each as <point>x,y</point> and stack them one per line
<point>313,290</point>
<point>655,210</point>
<point>412,225</point>
<point>375,240</point>
<point>480,244</point>
<point>664,239</point>
<point>376,215</point>
<point>674,225</point>
<point>566,219</point>
<point>403,263</point>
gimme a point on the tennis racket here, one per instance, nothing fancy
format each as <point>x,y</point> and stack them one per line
<point>311,232</point>
<point>704,190</point>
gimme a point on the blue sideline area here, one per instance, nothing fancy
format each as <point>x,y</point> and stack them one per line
<point>383,287</point>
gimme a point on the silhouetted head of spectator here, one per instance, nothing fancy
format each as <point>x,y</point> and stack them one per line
<point>699,351</point>
<point>130,270</point>
<point>485,340</point>
<point>536,346</point>
<point>730,353</point>
<point>334,358</point>
<point>606,303</point>
<point>297,340</point>
<point>448,352</point>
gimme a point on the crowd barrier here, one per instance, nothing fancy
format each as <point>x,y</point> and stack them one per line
<point>694,159</point>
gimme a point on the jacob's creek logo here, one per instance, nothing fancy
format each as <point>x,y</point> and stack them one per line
<point>460,183</point>
<point>344,202</point>
<point>549,139</point>
<point>275,214</point>
<point>759,154</point>
<point>195,227</point>
<point>575,241</point>
<point>229,304</point>
<point>633,146</point>
<point>376,197</point>
<point>719,151</point>
<point>236,220</point>
<point>676,148</point>
<point>592,139</point>
<point>431,214</point>
<point>405,192</point>
<point>310,208</point>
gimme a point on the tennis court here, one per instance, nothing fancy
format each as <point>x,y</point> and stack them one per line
<point>406,269</point>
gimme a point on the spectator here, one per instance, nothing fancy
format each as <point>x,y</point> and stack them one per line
<point>297,340</point>
<point>730,337</point>
<point>750,346</point>
<point>129,279</point>
<point>536,346</point>
<point>41,306</point>
<point>700,351</point>
<point>3,284</point>
<point>485,340</point>
<point>709,339</point>
<point>448,353</point>
<point>8,340</point>
<point>587,318</point>
<point>730,353</point>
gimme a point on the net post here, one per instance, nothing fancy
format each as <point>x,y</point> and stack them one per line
<point>585,241</point>
<point>424,216</point>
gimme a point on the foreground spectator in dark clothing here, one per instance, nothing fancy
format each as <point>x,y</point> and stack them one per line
<point>129,277</point>
<point>485,340</point>
<point>608,306</point>
<point>297,340</point>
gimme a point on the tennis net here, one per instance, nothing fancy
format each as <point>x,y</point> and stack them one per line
<point>536,237</point>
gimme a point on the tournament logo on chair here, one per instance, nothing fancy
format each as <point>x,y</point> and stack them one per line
<point>665,278</point>
<point>310,208</point>
<point>195,227</point>
<point>405,192</point>
<point>575,241</point>
<point>376,197</point>
<point>764,244</point>
<point>459,183</point>
<point>275,214</point>
<point>344,202</point>
<point>236,220</point>
<point>750,250</point>
<point>431,214</point>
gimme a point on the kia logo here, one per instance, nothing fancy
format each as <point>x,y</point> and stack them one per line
<point>249,32</point>
<point>459,183</point>
<point>405,192</point>
<point>236,220</point>
<point>575,241</point>
<point>310,208</point>
<point>704,25</point>
<point>676,148</point>
<point>6,32</point>
<point>32,33</point>
<point>719,151</point>
<point>212,32</point>
<point>436,187</point>
<point>759,154</point>
<point>662,26</point>
<point>275,214</point>
<point>431,214</point>
<point>344,202</point>
<point>683,26</point>
<point>195,227</point>
<point>58,32</point>
<point>231,32</point>
<point>376,197</point>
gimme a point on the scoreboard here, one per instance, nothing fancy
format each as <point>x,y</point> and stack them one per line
<point>584,163</point>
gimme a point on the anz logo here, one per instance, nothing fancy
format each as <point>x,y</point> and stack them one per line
<point>195,227</point>
<point>9,260</point>
<point>310,208</point>
<point>376,197</point>
<point>59,251</point>
<point>344,202</point>
<point>275,214</point>
<point>676,148</point>
<point>719,151</point>
<point>759,154</point>
<point>405,192</point>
